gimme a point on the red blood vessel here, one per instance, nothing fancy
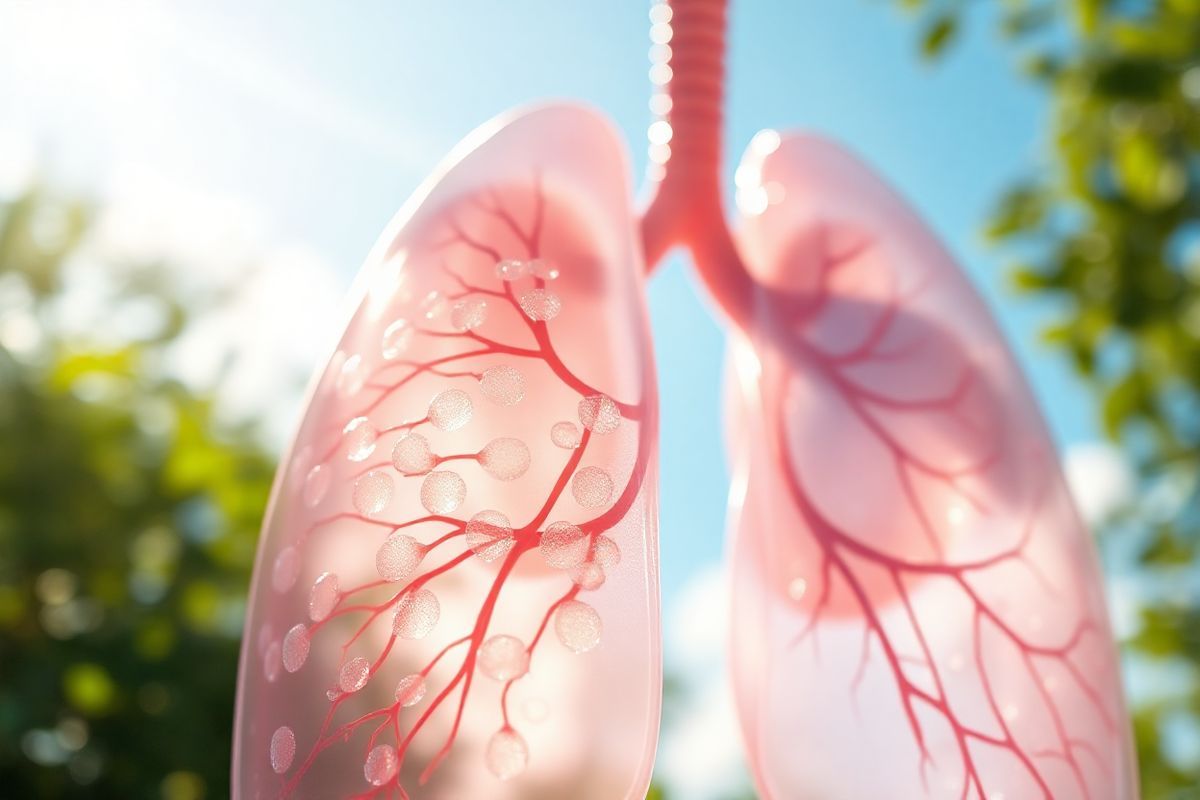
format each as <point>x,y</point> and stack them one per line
<point>910,577</point>
<point>456,592</point>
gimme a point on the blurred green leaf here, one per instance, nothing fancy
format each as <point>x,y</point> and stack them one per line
<point>89,689</point>
<point>938,35</point>
<point>127,546</point>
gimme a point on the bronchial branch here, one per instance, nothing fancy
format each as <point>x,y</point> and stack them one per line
<point>492,324</point>
<point>980,674</point>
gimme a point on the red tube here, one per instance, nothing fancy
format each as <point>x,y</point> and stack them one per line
<point>685,206</point>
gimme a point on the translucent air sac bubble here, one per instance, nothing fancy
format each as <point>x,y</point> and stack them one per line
<point>577,626</point>
<point>283,749</point>
<point>541,305</point>
<point>352,376</point>
<point>507,754</point>
<point>511,269</point>
<point>381,765</point>
<point>433,306</point>
<point>592,487</point>
<point>316,485</point>
<point>396,340</point>
<point>489,535</point>
<point>360,437</point>
<point>437,509</point>
<point>543,269</point>
<point>372,492</point>
<point>272,662</point>
<point>398,558</point>
<point>503,385</point>
<point>296,646</point>
<point>505,459</point>
<point>354,674</point>
<point>599,414</point>
<point>411,455</point>
<point>606,553</point>
<point>442,492</point>
<point>588,576</point>
<point>323,597</point>
<point>469,314</point>
<point>286,570</point>
<point>565,435</point>
<point>450,410</point>
<point>563,545</point>
<point>503,658</point>
<point>410,690</point>
<point>417,614</point>
<point>266,634</point>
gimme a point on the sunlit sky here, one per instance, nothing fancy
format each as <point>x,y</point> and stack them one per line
<point>314,122</point>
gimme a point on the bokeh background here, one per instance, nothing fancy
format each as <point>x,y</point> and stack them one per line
<point>187,188</point>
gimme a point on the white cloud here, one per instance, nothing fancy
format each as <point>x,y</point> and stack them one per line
<point>299,93</point>
<point>265,342</point>
<point>701,756</point>
<point>211,237</point>
<point>121,65</point>
<point>1100,479</point>
<point>699,620</point>
<point>18,165</point>
<point>267,308</point>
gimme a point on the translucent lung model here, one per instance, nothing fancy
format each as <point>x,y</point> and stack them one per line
<point>456,592</point>
<point>917,608</point>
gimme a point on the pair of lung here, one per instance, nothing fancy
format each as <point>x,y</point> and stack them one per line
<point>457,585</point>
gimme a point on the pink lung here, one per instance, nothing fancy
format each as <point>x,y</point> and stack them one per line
<point>917,611</point>
<point>456,593</point>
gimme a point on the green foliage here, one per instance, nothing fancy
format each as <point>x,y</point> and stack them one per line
<point>938,34</point>
<point>128,518</point>
<point>1113,227</point>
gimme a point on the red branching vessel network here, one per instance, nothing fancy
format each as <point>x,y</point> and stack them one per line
<point>459,562</point>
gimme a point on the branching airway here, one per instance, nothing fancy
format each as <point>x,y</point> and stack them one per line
<point>581,549</point>
<point>879,572</point>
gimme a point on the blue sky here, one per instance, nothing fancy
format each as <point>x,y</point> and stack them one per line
<point>324,121</point>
